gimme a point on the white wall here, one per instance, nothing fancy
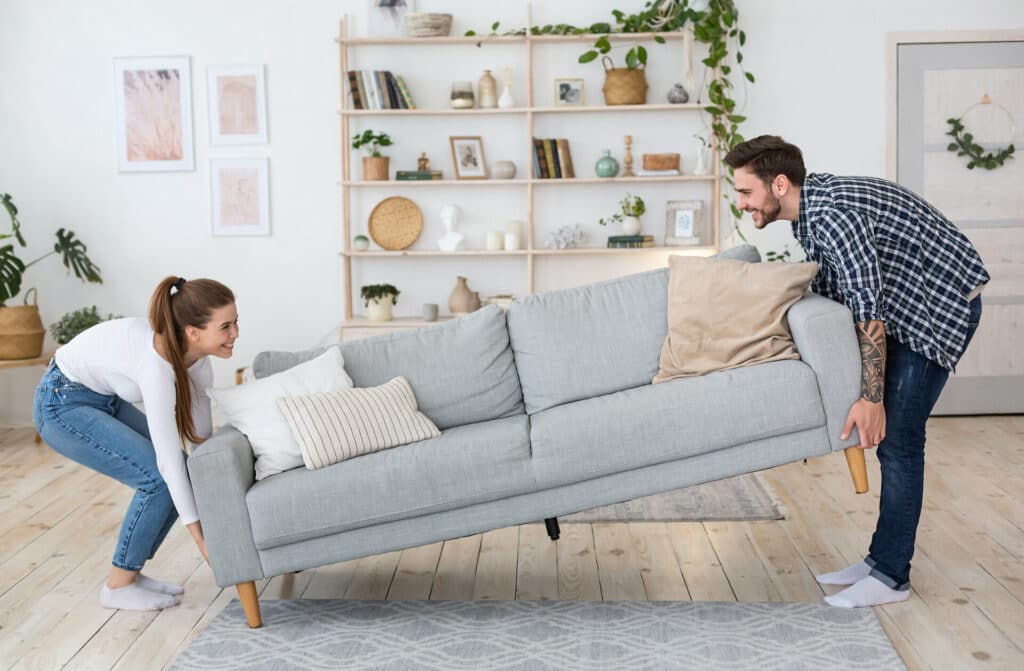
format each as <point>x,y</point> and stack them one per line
<point>821,72</point>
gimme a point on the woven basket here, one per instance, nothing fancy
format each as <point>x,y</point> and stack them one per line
<point>427,24</point>
<point>21,330</point>
<point>661,161</point>
<point>623,86</point>
<point>395,223</point>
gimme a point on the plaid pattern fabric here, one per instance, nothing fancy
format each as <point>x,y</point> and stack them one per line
<point>887,254</point>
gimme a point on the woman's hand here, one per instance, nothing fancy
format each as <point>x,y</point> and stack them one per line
<point>196,529</point>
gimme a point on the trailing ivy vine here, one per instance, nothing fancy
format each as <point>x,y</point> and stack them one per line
<point>964,145</point>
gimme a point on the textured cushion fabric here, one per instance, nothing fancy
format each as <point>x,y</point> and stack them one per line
<point>337,425</point>
<point>678,419</point>
<point>464,465</point>
<point>461,370</point>
<point>747,253</point>
<point>723,314</point>
<point>252,408</point>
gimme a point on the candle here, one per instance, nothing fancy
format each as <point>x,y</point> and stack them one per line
<point>494,241</point>
<point>511,241</point>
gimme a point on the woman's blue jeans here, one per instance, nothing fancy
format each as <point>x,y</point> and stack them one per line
<point>912,386</point>
<point>109,435</point>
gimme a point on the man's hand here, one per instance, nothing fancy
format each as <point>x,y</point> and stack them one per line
<point>869,418</point>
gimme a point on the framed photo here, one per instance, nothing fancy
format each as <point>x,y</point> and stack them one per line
<point>240,196</point>
<point>684,222</point>
<point>385,18</point>
<point>154,114</point>
<point>468,157</point>
<point>569,92</point>
<point>237,102</point>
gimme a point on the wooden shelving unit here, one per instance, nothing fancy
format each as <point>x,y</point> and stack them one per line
<point>529,111</point>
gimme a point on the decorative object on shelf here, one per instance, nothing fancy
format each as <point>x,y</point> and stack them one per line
<point>624,86</point>
<point>660,161</point>
<point>21,329</point>
<point>462,95</point>
<point>627,158</point>
<point>375,166</point>
<point>635,241</point>
<point>552,159</point>
<point>506,101</point>
<point>511,241</point>
<point>378,300</point>
<point>566,237</point>
<point>963,143</point>
<point>487,90</point>
<point>468,157</point>
<point>515,226</point>
<point>451,240</point>
<point>504,170</point>
<point>474,301</point>
<point>461,300</point>
<point>240,191</point>
<point>503,301</point>
<point>378,90</point>
<point>385,17</point>
<point>495,241</point>
<point>677,95</point>
<point>630,209</point>
<point>416,175</point>
<point>569,92</point>
<point>73,323</point>
<point>360,243</point>
<point>428,24</point>
<point>395,223</point>
<point>703,164</point>
<point>430,312</point>
<point>237,101</point>
<point>154,114</point>
<point>423,163</point>
<point>683,222</point>
<point>606,166</point>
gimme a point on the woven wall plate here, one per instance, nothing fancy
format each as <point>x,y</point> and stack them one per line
<point>395,223</point>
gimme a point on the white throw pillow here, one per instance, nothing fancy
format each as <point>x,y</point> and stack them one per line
<point>339,425</point>
<point>252,409</point>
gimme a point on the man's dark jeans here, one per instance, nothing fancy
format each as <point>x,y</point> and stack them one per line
<point>912,386</point>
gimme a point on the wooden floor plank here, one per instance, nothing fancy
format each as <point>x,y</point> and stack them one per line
<point>617,567</point>
<point>456,569</point>
<point>659,570</point>
<point>577,564</point>
<point>537,566</point>
<point>415,573</point>
<point>496,568</point>
<point>702,571</point>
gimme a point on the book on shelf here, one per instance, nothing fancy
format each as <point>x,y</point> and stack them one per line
<point>565,158</point>
<point>629,238</point>
<point>404,91</point>
<point>630,244</point>
<point>417,175</point>
<point>552,158</point>
<point>654,173</point>
<point>378,89</point>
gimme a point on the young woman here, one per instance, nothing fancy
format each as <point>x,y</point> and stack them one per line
<point>83,409</point>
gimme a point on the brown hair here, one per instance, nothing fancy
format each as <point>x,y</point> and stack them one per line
<point>177,303</point>
<point>767,156</point>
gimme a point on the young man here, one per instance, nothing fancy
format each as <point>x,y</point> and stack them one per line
<point>913,283</point>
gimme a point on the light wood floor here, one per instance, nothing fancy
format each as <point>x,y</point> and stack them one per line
<point>58,523</point>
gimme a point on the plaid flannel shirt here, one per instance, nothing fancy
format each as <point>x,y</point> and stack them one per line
<point>887,254</point>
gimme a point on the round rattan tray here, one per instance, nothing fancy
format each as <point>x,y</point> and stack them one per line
<point>395,223</point>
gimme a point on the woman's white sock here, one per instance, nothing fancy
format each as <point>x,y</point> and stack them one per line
<point>847,576</point>
<point>158,586</point>
<point>869,591</point>
<point>134,597</point>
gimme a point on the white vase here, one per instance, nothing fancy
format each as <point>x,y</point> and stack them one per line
<point>703,159</point>
<point>506,101</point>
<point>630,225</point>
<point>379,309</point>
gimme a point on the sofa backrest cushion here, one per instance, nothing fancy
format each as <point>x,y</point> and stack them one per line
<point>461,370</point>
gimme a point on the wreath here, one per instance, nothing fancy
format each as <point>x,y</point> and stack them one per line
<point>964,144</point>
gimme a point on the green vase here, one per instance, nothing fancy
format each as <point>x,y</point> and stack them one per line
<point>606,166</point>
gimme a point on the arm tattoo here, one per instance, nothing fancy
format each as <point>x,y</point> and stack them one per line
<point>871,337</point>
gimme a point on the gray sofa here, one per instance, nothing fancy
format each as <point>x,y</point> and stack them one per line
<point>545,411</point>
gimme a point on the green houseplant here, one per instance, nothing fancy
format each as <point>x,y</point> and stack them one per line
<point>378,300</point>
<point>73,323</point>
<point>21,329</point>
<point>375,166</point>
<point>631,208</point>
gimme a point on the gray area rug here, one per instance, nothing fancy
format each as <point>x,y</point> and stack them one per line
<point>743,497</point>
<point>534,635</point>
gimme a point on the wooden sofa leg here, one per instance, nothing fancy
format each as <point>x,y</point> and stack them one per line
<point>250,603</point>
<point>858,468</point>
<point>551,524</point>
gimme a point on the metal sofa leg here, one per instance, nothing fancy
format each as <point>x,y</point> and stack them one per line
<point>250,603</point>
<point>551,524</point>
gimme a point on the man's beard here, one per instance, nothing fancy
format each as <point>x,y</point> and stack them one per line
<point>771,210</point>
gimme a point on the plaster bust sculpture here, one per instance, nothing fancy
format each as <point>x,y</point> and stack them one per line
<point>451,240</point>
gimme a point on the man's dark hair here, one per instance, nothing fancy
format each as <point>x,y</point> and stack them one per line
<point>767,156</point>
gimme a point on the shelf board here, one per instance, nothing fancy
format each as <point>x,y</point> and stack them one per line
<point>583,251</point>
<point>391,183</point>
<point>693,251</point>
<point>505,39</point>
<point>431,252</point>
<point>434,112</point>
<point>591,109</point>
<point>604,180</point>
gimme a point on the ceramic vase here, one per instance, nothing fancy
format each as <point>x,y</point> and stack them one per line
<point>487,90</point>
<point>630,225</point>
<point>461,298</point>
<point>606,166</point>
<point>379,309</point>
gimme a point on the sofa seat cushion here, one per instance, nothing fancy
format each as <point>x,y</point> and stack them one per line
<point>465,465</point>
<point>673,420</point>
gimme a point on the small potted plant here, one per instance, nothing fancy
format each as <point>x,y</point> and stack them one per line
<point>630,209</point>
<point>73,323</point>
<point>375,166</point>
<point>378,300</point>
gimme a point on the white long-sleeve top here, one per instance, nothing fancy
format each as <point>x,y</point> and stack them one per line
<point>117,357</point>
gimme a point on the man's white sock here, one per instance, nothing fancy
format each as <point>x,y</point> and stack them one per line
<point>134,597</point>
<point>869,591</point>
<point>847,576</point>
<point>158,586</point>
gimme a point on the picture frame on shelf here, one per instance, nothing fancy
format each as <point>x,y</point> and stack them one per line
<point>240,197</point>
<point>569,92</point>
<point>237,104</point>
<point>385,18</point>
<point>684,223</point>
<point>153,110</point>
<point>468,156</point>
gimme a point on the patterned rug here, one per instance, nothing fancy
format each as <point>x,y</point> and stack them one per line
<point>536,635</point>
<point>741,498</point>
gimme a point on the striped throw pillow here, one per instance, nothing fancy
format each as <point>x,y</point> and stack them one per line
<point>338,425</point>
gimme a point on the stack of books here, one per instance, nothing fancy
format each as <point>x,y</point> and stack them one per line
<point>416,175</point>
<point>630,241</point>
<point>378,90</point>
<point>552,159</point>
<point>654,173</point>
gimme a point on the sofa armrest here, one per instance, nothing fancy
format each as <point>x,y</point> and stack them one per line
<point>824,335</point>
<point>222,471</point>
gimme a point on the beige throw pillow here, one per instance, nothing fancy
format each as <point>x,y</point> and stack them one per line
<point>334,426</point>
<point>725,314</point>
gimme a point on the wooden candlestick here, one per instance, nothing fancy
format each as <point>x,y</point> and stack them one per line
<point>629,158</point>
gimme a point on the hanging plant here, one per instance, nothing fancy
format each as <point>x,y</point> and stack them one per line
<point>964,145</point>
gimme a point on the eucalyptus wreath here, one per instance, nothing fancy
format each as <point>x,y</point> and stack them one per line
<point>964,145</point>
